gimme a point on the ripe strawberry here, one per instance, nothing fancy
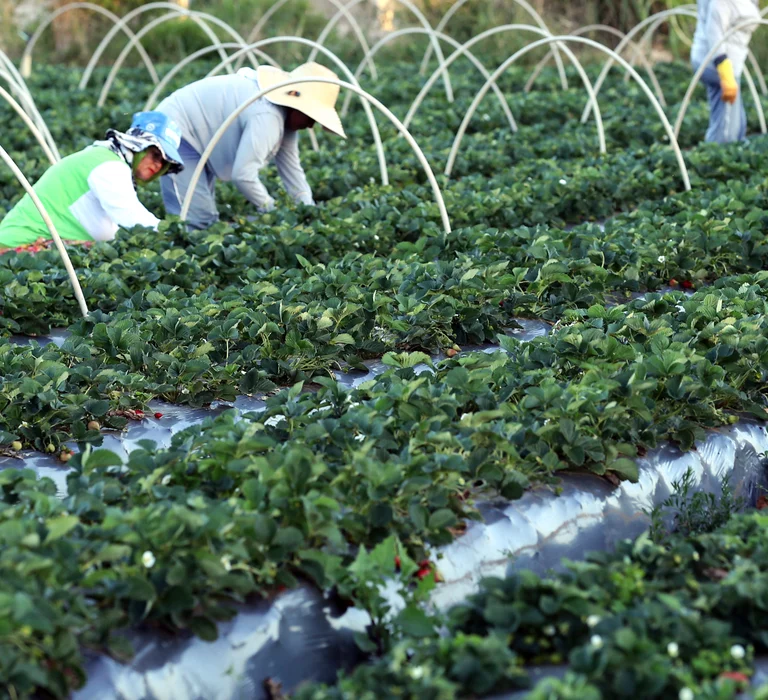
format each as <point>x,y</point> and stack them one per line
<point>158,415</point>
<point>423,572</point>
<point>397,563</point>
<point>735,676</point>
<point>687,284</point>
<point>673,282</point>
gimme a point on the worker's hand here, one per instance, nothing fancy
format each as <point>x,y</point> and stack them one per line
<point>728,83</point>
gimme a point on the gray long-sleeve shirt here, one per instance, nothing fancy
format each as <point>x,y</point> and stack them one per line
<point>256,137</point>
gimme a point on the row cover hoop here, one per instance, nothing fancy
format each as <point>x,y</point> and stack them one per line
<point>331,81</point>
<point>710,56</point>
<point>690,11</point>
<point>546,41</point>
<point>449,40</point>
<point>421,19</point>
<point>152,100</point>
<point>637,48</point>
<point>141,33</point>
<point>341,66</point>
<point>535,16</point>
<point>26,58</point>
<point>197,17</point>
<point>651,20</point>
<point>589,42</point>
<point>19,88</point>
<point>31,125</point>
<point>358,32</point>
<point>465,47</point>
<point>49,223</point>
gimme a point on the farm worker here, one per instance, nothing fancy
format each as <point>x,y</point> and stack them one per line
<point>727,118</point>
<point>266,130</point>
<point>90,194</point>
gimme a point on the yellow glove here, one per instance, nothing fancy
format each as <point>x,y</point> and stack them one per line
<point>728,83</point>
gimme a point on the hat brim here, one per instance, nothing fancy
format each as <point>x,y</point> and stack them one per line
<point>268,76</point>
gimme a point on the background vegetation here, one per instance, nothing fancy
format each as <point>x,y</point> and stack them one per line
<point>73,37</point>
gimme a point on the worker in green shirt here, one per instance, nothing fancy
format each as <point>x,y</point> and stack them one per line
<point>92,193</point>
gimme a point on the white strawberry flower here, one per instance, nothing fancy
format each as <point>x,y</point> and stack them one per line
<point>596,641</point>
<point>593,620</point>
<point>148,559</point>
<point>673,650</point>
<point>686,694</point>
<point>738,652</point>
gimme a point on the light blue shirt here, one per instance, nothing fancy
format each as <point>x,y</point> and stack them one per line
<point>255,138</point>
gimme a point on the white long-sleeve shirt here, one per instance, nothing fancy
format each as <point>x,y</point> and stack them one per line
<point>111,203</point>
<point>256,137</point>
<point>714,19</point>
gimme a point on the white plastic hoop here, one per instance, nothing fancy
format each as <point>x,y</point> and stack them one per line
<point>26,58</point>
<point>690,11</point>
<point>449,40</point>
<point>535,16</point>
<point>54,233</point>
<point>342,67</point>
<point>463,49</point>
<point>684,11</point>
<point>421,19</point>
<point>707,59</point>
<point>152,99</point>
<point>27,104</point>
<point>589,42</point>
<point>31,125</point>
<point>546,41</point>
<point>356,30</point>
<point>331,81</point>
<point>199,18</point>
<point>613,32</point>
<point>137,39</point>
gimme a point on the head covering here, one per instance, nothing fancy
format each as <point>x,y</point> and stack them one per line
<point>153,129</point>
<point>316,100</point>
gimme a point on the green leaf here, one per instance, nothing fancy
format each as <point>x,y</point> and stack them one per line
<point>442,519</point>
<point>414,622</point>
<point>204,628</point>
<point>626,468</point>
<point>58,527</point>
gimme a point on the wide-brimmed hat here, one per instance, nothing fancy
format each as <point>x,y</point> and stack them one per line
<point>316,100</point>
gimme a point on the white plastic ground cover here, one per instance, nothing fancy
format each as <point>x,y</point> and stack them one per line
<point>299,636</point>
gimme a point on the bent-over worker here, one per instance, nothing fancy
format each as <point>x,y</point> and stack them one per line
<point>266,130</point>
<point>92,193</point>
<point>727,118</point>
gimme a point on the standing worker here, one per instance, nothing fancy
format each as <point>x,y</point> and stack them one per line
<point>727,117</point>
<point>267,129</point>
<point>92,193</point>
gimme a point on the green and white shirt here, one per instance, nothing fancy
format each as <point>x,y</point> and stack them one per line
<point>88,196</point>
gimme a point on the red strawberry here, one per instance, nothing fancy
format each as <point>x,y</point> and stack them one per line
<point>397,563</point>
<point>423,572</point>
<point>735,676</point>
<point>673,282</point>
<point>158,415</point>
<point>687,284</point>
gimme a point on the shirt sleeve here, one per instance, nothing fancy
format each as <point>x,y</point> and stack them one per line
<point>290,170</point>
<point>260,138</point>
<point>112,183</point>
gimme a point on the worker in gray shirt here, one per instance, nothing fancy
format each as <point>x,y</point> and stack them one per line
<point>265,130</point>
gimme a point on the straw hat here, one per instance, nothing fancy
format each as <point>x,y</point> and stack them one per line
<point>316,100</point>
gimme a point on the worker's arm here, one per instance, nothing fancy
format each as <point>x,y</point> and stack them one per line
<point>289,168</point>
<point>112,183</point>
<point>259,141</point>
